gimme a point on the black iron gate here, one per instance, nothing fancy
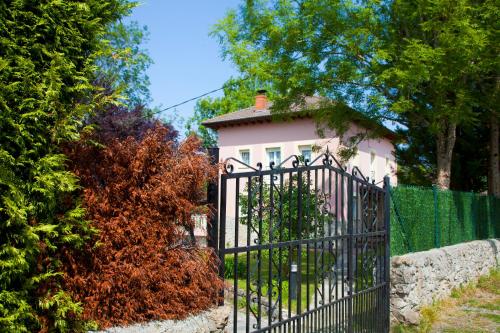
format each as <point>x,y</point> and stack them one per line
<point>304,247</point>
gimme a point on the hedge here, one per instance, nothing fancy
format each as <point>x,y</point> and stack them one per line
<point>425,218</point>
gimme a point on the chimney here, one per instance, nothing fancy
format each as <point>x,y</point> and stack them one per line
<point>261,100</point>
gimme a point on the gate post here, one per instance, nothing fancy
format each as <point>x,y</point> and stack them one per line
<point>387,268</point>
<point>221,249</point>
<point>213,221</point>
<point>213,202</point>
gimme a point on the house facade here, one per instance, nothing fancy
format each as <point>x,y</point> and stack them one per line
<point>251,136</point>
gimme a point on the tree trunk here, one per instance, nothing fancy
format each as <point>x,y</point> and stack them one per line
<point>445,144</point>
<point>494,165</point>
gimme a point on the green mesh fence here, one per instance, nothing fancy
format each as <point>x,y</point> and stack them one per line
<point>426,218</point>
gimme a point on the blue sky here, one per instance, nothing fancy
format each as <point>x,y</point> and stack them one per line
<point>187,61</point>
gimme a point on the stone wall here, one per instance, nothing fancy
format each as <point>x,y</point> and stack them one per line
<point>417,279</point>
<point>211,321</point>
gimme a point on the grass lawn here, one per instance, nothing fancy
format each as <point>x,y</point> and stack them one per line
<point>307,276</point>
<point>285,296</point>
<point>474,308</point>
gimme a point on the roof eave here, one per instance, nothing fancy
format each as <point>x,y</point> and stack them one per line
<point>232,122</point>
<point>215,125</point>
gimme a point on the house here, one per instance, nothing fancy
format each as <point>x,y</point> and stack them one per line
<point>252,135</point>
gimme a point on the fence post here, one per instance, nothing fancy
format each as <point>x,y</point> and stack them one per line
<point>213,202</point>
<point>387,266</point>
<point>437,227</point>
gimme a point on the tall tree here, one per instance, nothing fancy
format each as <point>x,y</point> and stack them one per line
<point>47,65</point>
<point>494,158</point>
<point>417,158</point>
<point>123,62</point>
<point>488,88</point>
<point>410,62</point>
<point>437,49</point>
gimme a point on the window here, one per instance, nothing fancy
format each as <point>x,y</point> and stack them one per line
<point>274,155</point>
<point>245,156</point>
<point>387,166</point>
<point>372,165</point>
<point>306,153</point>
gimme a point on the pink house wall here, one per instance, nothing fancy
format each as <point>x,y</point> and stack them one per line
<point>288,136</point>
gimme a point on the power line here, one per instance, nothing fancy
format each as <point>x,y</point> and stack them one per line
<point>194,98</point>
<point>188,100</point>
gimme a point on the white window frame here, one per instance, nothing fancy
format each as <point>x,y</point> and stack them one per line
<point>301,148</point>
<point>245,150</point>
<point>387,165</point>
<point>237,154</point>
<point>373,165</point>
<point>274,149</point>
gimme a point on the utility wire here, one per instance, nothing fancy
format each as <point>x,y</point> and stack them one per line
<point>194,98</point>
<point>188,100</point>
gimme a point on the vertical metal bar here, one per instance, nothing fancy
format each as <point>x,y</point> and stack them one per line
<point>213,202</point>
<point>249,221</point>
<point>316,224</point>
<point>308,236</point>
<point>355,228</point>
<point>222,232</point>
<point>332,270</point>
<point>364,312</point>
<point>350,258</point>
<point>259,255</point>
<point>270,259</point>
<point>299,250</point>
<point>367,240</point>
<point>373,308</point>
<point>356,319</point>
<point>387,222</point>
<point>337,259</point>
<point>371,316</point>
<point>343,249</point>
<point>364,306</point>
<point>236,236</point>
<point>378,264</point>
<point>358,254</point>
<point>280,252</point>
<point>290,248</point>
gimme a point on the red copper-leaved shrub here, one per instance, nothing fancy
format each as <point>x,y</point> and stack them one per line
<point>140,194</point>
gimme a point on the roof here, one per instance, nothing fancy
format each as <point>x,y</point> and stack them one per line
<point>251,115</point>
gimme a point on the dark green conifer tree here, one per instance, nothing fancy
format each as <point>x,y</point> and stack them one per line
<point>47,65</point>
